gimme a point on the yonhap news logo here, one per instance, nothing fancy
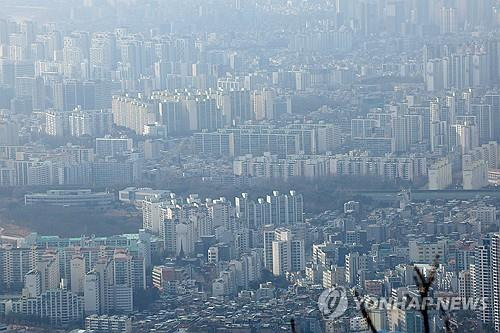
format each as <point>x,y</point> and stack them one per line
<point>409,303</point>
<point>333,302</point>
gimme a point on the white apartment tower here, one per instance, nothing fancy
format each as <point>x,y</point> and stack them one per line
<point>109,286</point>
<point>77,272</point>
<point>32,284</point>
<point>495,264</point>
<point>482,281</point>
<point>475,173</point>
<point>151,215</point>
<point>288,253</point>
<point>48,266</point>
<point>277,209</point>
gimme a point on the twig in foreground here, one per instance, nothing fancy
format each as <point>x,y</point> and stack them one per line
<point>365,313</point>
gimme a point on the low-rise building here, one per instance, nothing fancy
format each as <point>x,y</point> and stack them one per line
<point>108,324</point>
<point>70,198</point>
<point>494,177</point>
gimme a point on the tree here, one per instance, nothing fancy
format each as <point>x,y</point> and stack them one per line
<point>144,298</point>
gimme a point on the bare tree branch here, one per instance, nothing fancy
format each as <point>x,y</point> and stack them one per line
<point>365,313</point>
<point>424,285</point>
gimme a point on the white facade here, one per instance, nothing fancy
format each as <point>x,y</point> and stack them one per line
<point>484,214</point>
<point>59,306</point>
<point>77,267</point>
<point>482,281</point>
<point>277,209</point>
<point>288,252</point>
<point>90,123</point>
<point>115,324</point>
<point>48,266</point>
<point>32,284</point>
<point>109,146</point>
<point>316,166</point>
<point>109,286</point>
<point>92,296</point>
<point>56,123</point>
<point>475,174</point>
<point>426,252</point>
<point>440,175</point>
<point>495,265</point>
<point>133,113</point>
<point>151,216</point>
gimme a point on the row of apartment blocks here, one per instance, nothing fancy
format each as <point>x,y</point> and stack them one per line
<point>17,262</point>
<point>182,112</point>
<point>479,165</point>
<point>442,124</point>
<point>458,70</point>
<point>479,168</point>
<point>78,123</point>
<point>113,161</point>
<point>257,139</point>
<point>313,166</point>
<point>65,279</point>
<point>100,283</point>
<point>182,223</point>
<point>42,173</point>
